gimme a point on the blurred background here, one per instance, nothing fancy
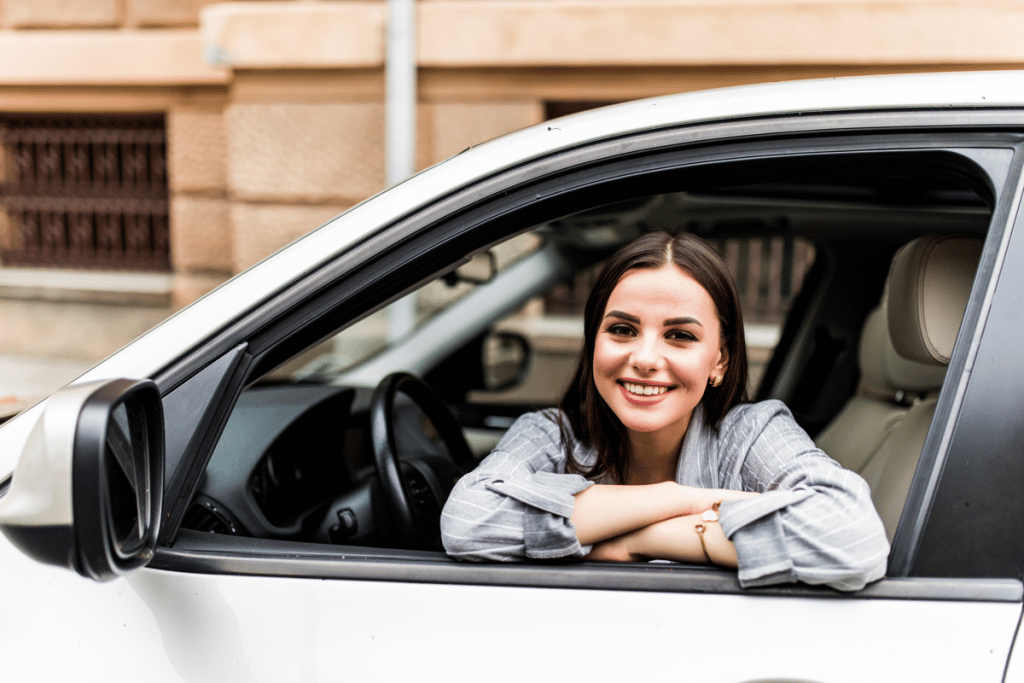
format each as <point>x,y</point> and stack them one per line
<point>149,149</point>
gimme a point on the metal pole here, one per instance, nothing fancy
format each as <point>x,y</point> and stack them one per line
<point>400,126</point>
<point>400,90</point>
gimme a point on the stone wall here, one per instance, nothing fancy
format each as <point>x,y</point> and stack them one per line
<point>197,175</point>
<point>293,165</point>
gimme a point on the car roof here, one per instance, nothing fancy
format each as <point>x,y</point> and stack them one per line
<point>161,345</point>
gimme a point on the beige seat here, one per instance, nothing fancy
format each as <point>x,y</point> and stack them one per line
<point>889,385</point>
<point>905,347</point>
<point>929,284</point>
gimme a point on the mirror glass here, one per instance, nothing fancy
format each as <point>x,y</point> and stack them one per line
<point>505,356</point>
<point>126,466</point>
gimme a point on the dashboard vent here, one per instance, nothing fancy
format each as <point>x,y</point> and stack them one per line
<point>205,514</point>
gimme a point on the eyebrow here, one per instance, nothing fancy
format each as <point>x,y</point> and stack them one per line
<point>682,321</point>
<point>686,320</point>
<point>624,316</point>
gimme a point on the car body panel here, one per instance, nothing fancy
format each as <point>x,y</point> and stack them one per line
<point>1015,667</point>
<point>195,627</point>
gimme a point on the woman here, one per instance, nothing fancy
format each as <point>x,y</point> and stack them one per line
<point>654,452</point>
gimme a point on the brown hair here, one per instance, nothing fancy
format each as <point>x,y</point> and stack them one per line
<point>592,421</point>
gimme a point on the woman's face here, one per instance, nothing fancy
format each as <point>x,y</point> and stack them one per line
<point>658,344</point>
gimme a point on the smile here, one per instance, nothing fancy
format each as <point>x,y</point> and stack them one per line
<point>638,389</point>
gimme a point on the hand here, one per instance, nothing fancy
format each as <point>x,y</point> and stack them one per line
<point>699,500</point>
<point>673,539</point>
<point>613,550</point>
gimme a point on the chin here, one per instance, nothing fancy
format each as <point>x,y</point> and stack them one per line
<point>650,425</point>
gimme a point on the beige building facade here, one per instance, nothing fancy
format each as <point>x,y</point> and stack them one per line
<point>273,111</point>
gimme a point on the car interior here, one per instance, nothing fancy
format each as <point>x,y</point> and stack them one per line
<point>855,271</point>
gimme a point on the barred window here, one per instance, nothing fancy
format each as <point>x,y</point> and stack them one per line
<point>84,191</point>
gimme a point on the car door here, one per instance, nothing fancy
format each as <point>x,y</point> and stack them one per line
<point>216,606</point>
<point>891,619</point>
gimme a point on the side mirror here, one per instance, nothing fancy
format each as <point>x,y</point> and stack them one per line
<point>505,357</point>
<point>88,490</point>
<point>477,270</point>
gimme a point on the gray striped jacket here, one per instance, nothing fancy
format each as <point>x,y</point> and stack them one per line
<point>814,522</point>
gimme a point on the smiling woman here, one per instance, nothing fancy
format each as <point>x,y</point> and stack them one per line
<point>676,330</point>
<point>652,367</point>
<point>655,454</point>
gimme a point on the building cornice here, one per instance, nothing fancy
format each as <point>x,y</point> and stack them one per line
<point>615,33</point>
<point>87,57</point>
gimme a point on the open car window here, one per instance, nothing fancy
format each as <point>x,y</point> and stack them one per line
<point>497,332</point>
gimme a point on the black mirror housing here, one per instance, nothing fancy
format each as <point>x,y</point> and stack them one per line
<point>118,467</point>
<point>87,493</point>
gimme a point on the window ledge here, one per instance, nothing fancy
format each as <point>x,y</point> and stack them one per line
<point>87,286</point>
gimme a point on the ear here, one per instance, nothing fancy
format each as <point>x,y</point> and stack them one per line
<point>722,364</point>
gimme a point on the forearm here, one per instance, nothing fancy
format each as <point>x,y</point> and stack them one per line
<point>607,511</point>
<point>678,539</point>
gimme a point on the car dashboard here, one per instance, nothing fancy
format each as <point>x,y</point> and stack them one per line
<point>286,450</point>
<point>295,461</point>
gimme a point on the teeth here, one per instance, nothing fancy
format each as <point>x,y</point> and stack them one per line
<point>644,389</point>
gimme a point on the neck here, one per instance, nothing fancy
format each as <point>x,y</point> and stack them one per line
<point>656,454</point>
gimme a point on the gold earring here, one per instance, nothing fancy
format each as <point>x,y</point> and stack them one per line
<point>714,382</point>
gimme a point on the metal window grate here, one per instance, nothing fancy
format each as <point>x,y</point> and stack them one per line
<point>769,272</point>
<point>84,191</point>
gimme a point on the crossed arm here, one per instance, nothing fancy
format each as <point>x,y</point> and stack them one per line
<point>814,521</point>
<point>656,521</point>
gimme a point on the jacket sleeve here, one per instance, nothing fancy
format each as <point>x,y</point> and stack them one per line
<point>517,503</point>
<point>814,521</point>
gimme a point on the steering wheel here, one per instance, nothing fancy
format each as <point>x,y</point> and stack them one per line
<point>415,486</point>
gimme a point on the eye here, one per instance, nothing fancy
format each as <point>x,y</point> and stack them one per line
<point>680,335</point>
<point>620,330</point>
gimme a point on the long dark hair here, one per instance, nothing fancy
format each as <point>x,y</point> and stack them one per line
<point>592,421</point>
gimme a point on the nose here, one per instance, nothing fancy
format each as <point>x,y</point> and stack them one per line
<point>646,356</point>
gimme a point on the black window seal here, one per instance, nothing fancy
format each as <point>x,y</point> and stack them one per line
<point>196,552</point>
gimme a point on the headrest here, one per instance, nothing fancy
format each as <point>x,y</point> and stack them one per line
<point>929,283</point>
<point>883,372</point>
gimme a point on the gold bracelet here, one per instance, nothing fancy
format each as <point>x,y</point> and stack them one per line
<point>708,516</point>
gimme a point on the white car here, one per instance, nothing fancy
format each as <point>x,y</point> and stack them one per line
<point>249,499</point>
